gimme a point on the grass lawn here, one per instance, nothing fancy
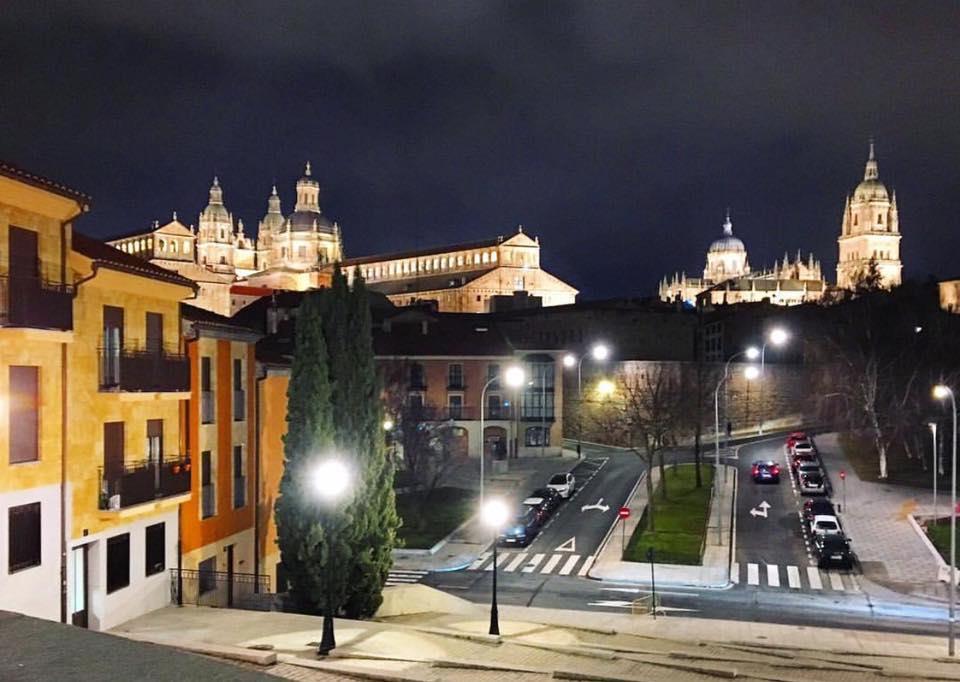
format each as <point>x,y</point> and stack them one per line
<point>430,518</point>
<point>862,455</point>
<point>681,520</point>
<point>940,535</point>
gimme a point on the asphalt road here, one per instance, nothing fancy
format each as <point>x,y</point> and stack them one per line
<point>776,540</point>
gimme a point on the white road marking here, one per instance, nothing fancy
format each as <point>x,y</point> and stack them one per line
<point>500,559</point>
<point>813,575</point>
<point>534,562</point>
<point>481,560</point>
<point>611,602</point>
<point>552,563</point>
<point>793,577</point>
<point>735,573</point>
<point>570,563</point>
<point>753,574</point>
<point>513,565</point>
<point>587,563</point>
<point>773,575</point>
<point>598,505</point>
<point>836,582</point>
<point>568,546</point>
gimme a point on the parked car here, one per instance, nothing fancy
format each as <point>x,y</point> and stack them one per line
<point>764,472</point>
<point>807,467</point>
<point>551,498</point>
<point>797,460</point>
<point>812,483</point>
<point>803,447</point>
<point>564,484</point>
<point>523,528</point>
<point>818,507</point>
<point>794,437</point>
<point>824,524</point>
<point>833,550</point>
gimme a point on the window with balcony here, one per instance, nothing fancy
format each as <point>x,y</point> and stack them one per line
<point>455,405</point>
<point>455,376</point>
<point>208,494</point>
<point>417,378</point>
<point>23,414</point>
<point>239,395</point>
<point>155,558</point>
<point>147,367</point>
<point>495,406</point>
<point>24,537</point>
<point>118,562</point>
<point>239,478</point>
<point>206,391</point>
<point>493,374</point>
<point>28,298</point>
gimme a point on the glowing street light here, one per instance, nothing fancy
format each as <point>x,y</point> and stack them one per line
<point>388,424</point>
<point>777,336</point>
<point>605,388</point>
<point>600,352</point>
<point>752,353</point>
<point>513,377</point>
<point>330,480</point>
<point>752,372</point>
<point>942,392</point>
<point>494,514</point>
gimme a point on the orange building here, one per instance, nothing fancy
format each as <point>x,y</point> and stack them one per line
<point>218,522</point>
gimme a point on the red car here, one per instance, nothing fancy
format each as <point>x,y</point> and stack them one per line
<point>794,437</point>
<point>797,460</point>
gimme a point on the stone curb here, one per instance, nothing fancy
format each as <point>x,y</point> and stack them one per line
<point>403,552</point>
<point>233,653</point>
<point>584,651</point>
<point>458,634</point>
<point>943,569</point>
<point>346,670</point>
<point>467,664</point>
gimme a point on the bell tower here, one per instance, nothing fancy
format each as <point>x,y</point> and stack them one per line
<point>870,231</point>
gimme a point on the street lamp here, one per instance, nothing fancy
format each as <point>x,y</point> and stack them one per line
<point>751,353</point>
<point>605,388</point>
<point>513,377</point>
<point>330,479</point>
<point>494,514</point>
<point>600,352</point>
<point>750,373</point>
<point>777,336</point>
<point>388,424</point>
<point>933,433</point>
<point>940,392</point>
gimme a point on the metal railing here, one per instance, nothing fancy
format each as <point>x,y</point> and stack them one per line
<point>208,500</point>
<point>239,405</point>
<point>35,303</point>
<point>144,481</point>
<point>122,369</point>
<point>219,588</point>
<point>207,412</point>
<point>463,413</point>
<point>239,491</point>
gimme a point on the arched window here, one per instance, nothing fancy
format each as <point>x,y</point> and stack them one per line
<point>476,259</point>
<point>186,246</point>
<point>879,219</point>
<point>854,219</point>
<point>161,244</point>
<point>173,246</point>
<point>486,257</point>
<point>459,260</point>
<point>493,256</point>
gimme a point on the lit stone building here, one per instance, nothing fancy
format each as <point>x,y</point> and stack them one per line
<point>729,279</point>
<point>297,252</point>
<point>870,231</point>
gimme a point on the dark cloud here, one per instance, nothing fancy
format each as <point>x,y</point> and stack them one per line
<point>618,132</point>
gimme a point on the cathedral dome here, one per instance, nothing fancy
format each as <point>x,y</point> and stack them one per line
<point>215,211</point>
<point>727,243</point>
<point>306,216</point>
<point>871,188</point>
<point>308,221</point>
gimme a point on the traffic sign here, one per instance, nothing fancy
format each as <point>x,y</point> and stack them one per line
<point>624,513</point>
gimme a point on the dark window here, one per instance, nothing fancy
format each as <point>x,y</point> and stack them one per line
<point>155,440</point>
<point>455,402</point>
<point>112,345</point>
<point>537,436</point>
<point>206,392</point>
<point>154,333</point>
<point>208,498</point>
<point>493,372</point>
<point>494,406</point>
<point>24,547</point>
<point>415,401</point>
<point>239,478</point>
<point>416,375</point>
<point>208,574</point>
<point>239,396</point>
<point>23,412</point>
<point>156,548</point>
<point>455,376</point>
<point>118,562</point>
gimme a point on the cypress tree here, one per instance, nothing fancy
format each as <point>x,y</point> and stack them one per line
<point>375,519</point>
<point>314,545</point>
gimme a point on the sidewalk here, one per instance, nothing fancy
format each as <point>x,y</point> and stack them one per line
<point>714,572</point>
<point>467,542</point>
<point>875,517</point>
<point>541,644</point>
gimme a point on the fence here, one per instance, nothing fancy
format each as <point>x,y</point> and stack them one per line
<point>220,589</point>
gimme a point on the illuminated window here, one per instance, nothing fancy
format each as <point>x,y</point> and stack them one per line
<point>173,247</point>
<point>186,246</point>
<point>476,259</point>
<point>486,257</point>
<point>460,260</point>
<point>493,256</point>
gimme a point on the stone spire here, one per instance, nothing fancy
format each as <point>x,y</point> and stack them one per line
<point>728,225</point>
<point>216,193</point>
<point>871,172</point>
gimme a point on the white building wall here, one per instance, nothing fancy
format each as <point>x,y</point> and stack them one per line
<point>33,591</point>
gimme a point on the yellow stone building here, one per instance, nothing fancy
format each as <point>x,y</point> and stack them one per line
<point>36,337</point>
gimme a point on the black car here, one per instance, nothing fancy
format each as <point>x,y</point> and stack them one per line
<point>819,507</point>
<point>549,498</point>
<point>523,527</point>
<point>764,472</point>
<point>833,550</point>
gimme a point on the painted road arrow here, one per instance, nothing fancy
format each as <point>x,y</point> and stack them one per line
<point>599,505</point>
<point>762,511</point>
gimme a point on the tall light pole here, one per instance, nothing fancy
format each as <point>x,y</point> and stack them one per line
<point>494,514</point>
<point>750,373</point>
<point>599,352</point>
<point>750,353</point>
<point>935,467</point>
<point>941,391</point>
<point>777,336</point>
<point>513,377</point>
<point>330,480</point>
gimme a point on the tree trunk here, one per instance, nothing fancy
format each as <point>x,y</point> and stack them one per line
<point>663,475</point>
<point>697,456</point>
<point>650,523</point>
<point>882,452</point>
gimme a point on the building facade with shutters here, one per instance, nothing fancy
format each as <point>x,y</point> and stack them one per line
<point>36,332</point>
<point>218,522</point>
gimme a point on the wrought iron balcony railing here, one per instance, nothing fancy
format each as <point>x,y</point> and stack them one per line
<point>35,303</point>
<point>144,481</point>
<point>134,370</point>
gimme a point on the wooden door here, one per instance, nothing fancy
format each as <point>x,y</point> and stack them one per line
<point>113,451</point>
<point>154,333</point>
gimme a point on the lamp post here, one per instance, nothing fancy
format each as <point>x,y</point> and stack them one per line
<point>330,480</point>
<point>600,352</point>
<point>935,467</point>
<point>513,377</point>
<point>750,373</point>
<point>777,336</point>
<point>494,515</point>
<point>751,353</point>
<point>941,391</point>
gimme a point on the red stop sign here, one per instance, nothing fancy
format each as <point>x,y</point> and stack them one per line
<point>624,513</point>
<point>843,474</point>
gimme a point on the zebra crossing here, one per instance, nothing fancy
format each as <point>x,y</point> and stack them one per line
<point>560,563</point>
<point>796,578</point>
<point>401,577</point>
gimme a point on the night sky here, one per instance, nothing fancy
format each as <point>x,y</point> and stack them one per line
<point>617,132</point>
